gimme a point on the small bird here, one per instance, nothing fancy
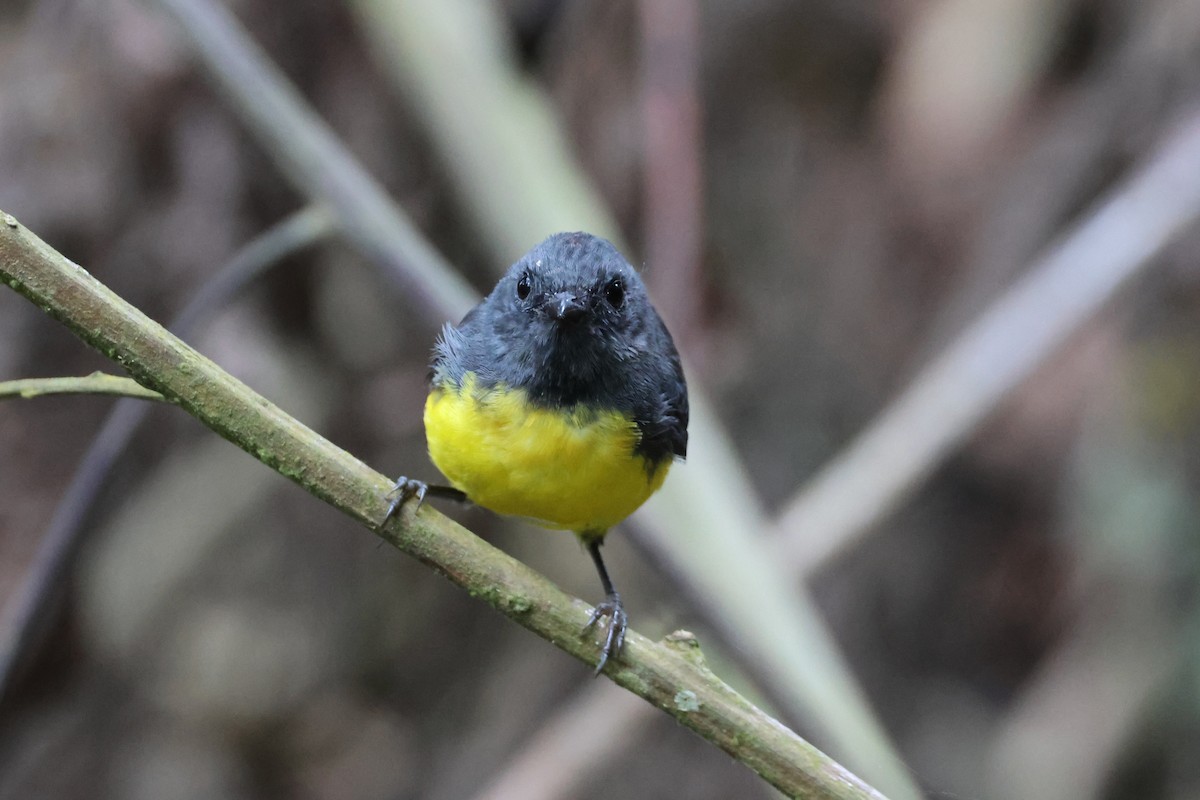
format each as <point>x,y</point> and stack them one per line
<point>560,399</point>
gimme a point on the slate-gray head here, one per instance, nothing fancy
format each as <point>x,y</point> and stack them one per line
<point>569,322</point>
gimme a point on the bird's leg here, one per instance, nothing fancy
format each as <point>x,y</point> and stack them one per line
<point>611,608</point>
<point>407,488</point>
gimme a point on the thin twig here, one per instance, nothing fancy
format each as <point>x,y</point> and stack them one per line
<point>30,613</point>
<point>670,675</point>
<point>96,383</point>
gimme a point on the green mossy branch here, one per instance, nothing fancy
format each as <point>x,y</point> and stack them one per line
<point>675,681</point>
<point>96,383</point>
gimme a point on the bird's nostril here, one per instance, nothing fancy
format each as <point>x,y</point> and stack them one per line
<point>566,307</point>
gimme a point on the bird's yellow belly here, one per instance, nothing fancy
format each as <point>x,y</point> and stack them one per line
<point>569,469</point>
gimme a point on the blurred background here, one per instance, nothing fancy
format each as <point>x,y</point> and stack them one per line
<point>823,195</point>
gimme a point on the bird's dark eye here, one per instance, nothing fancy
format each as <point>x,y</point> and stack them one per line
<point>614,293</point>
<point>523,287</point>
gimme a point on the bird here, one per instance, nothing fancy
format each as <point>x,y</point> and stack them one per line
<point>560,399</point>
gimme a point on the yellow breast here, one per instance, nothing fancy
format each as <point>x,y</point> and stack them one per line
<point>569,469</point>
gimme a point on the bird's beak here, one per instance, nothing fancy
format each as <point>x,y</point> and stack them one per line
<point>565,307</point>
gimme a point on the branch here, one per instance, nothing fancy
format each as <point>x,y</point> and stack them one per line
<point>96,383</point>
<point>671,675</point>
<point>30,613</point>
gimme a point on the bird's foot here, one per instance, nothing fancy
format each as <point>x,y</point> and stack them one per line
<point>408,488</point>
<point>618,621</point>
<point>402,491</point>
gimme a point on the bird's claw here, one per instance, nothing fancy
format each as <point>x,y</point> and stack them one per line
<point>618,621</point>
<point>404,490</point>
